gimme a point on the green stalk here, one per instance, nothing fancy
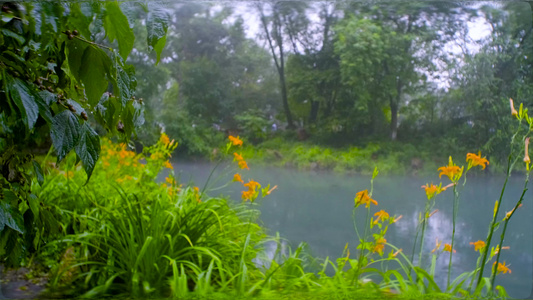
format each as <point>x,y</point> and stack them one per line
<point>414,245</point>
<point>356,277</point>
<point>424,222</point>
<point>493,275</point>
<point>455,208</point>
<point>493,222</point>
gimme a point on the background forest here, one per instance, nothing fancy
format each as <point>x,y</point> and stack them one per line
<point>402,82</point>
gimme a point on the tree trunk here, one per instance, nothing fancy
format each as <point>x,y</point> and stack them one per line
<point>394,104</point>
<point>281,71</point>
<point>288,114</point>
<point>280,64</point>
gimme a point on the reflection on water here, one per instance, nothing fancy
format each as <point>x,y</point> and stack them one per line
<point>317,208</point>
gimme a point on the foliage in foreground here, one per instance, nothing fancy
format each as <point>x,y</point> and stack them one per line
<point>61,79</point>
<point>124,233</point>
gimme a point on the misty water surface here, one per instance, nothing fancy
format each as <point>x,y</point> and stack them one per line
<point>316,208</point>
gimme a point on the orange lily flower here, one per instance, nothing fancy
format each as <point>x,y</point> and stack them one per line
<point>168,165</point>
<point>381,215</point>
<point>451,170</point>
<point>380,245</point>
<point>243,165</point>
<point>251,185</point>
<point>432,190</point>
<point>237,156</point>
<point>502,268</point>
<point>164,139</point>
<point>236,141</point>
<point>362,197</point>
<point>479,245</point>
<point>247,195</point>
<point>237,177</point>
<point>476,160</point>
<point>448,247</point>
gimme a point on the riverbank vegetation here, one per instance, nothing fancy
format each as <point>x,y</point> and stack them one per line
<point>390,158</point>
<point>85,84</point>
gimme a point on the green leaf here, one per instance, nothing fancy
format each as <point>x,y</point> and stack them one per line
<point>79,20</point>
<point>88,148</point>
<point>107,112</point>
<point>44,104</point>
<point>48,97</point>
<point>65,133</point>
<point>14,55</point>
<point>50,12</point>
<point>11,63</point>
<point>133,117</point>
<point>14,249</point>
<point>24,99</point>
<point>13,35</point>
<point>117,27</point>
<point>159,48</point>
<point>10,197</point>
<point>125,80</point>
<point>94,67</point>
<point>38,172</point>
<point>75,50</point>
<point>10,217</point>
<point>34,205</point>
<point>156,24</point>
<point>131,10</point>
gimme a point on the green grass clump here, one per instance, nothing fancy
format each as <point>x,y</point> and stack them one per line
<point>135,236</point>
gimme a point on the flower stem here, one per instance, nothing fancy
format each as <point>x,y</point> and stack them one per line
<point>455,208</point>
<point>493,222</point>
<point>493,275</point>
<point>361,252</point>
<point>424,221</point>
<point>414,246</point>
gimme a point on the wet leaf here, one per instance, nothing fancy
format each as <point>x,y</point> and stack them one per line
<point>94,67</point>
<point>88,148</point>
<point>25,101</point>
<point>38,172</point>
<point>65,133</point>
<point>117,27</point>
<point>10,217</point>
<point>156,24</point>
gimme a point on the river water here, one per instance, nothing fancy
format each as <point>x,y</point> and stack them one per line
<point>316,208</point>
